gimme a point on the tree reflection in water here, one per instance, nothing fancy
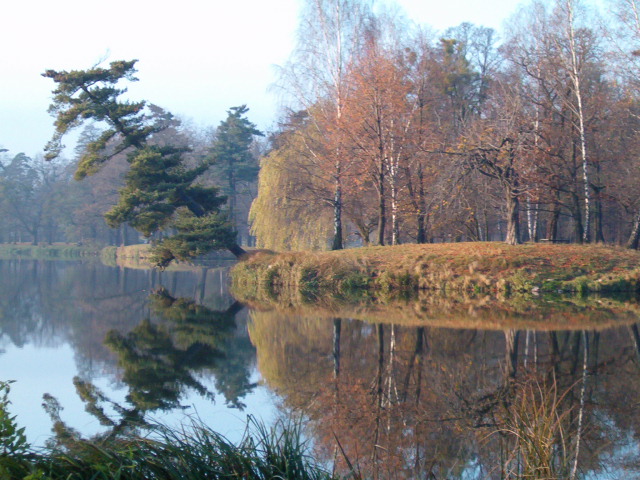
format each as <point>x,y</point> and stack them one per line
<point>425,402</point>
<point>161,360</point>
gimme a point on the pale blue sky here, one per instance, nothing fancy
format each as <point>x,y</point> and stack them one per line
<point>197,58</point>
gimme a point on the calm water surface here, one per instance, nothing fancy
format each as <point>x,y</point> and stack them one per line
<point>405,401</point>
<point>166,344</point>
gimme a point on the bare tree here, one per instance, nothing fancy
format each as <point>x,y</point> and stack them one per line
<point>329,37</point>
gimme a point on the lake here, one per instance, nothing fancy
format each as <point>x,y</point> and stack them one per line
<point>402,388</point>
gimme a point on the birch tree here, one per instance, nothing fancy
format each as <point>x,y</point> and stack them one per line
<point>573,63</point>
<point>329,38</point>
<point>380,118</point>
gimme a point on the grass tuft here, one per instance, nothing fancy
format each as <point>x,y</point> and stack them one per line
<point>191,453</point>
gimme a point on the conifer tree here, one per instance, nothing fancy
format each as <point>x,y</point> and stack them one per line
<point>231,154</point>
<point>160,191</point>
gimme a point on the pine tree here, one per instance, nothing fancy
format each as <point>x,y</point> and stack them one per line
<point>231,154</point>
<point>160,191</point>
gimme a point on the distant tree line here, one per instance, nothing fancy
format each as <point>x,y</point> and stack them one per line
<point>397,135</point>
<point>41,202</point>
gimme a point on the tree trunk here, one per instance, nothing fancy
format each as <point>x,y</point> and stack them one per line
<point>125,235</point>
<point>232,195</point>
<point>236,249</point>
<point>201,287</point>
<point>513,218</point>
<point>634,238</point>
<point>598,215</point>
<point>419,203</point>
<point>337,328</point>
<point>583,389</point>
<point>382,211</point>
<point>577,219</point>
<point>337,213</point>
<point>414,362</point>
<point>364,230</point>
<point>378,393</point>
<point>532,220</point>
<point>395,221</point>
<point>511,351</point>
<point>635,337</point>
<point>598,220</point>
<point>422,230</point>
<point>552,234</point>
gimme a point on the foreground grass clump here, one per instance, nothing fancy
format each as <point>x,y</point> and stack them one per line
<point>56,251</point>
<point>457,267</point>
<point>191,453</point>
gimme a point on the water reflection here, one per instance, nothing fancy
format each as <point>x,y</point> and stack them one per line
<point>531,388</point>
<point>166,339</point>
<point>427,402</point>
<point>161,360</point>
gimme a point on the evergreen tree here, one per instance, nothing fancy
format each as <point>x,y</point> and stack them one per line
<point>233,160</point>
<point>160,191</point>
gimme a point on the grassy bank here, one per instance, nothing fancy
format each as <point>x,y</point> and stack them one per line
<point>56,251</point>
<point>478,268</point>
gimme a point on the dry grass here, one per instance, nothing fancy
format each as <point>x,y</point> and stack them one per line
<point>472,267</point>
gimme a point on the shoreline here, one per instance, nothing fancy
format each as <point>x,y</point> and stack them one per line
<point>478,268</point>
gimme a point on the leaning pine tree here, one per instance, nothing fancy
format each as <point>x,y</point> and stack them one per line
<point>160,191</point>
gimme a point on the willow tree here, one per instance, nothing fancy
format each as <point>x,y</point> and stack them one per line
<point>290,185</point>
<point>161,191</point>
<point>329,38</point>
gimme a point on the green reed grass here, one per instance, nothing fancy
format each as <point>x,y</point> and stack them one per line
<point>193,451</point>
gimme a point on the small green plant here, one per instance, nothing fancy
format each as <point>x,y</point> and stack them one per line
<point>308,283</point>
<point>108,256</point>
<point>520,282</point>
<point>354,281</point>
<point>271,275</point>
<point>12,438</point>
<point>385,281</point>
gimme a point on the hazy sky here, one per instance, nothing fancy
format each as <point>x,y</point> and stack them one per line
<point>196,58</point>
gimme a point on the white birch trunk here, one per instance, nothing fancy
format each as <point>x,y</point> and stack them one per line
<point>575,80</point>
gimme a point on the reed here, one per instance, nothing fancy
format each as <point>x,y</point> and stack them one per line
<point>193,451</point>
